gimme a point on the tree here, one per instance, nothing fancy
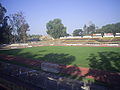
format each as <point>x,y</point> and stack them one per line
<point>19,26</point>
<point>89,29</point>
<point>78,32</point>
<point>56,29</point>
<point>2,13</point>
<point>85,29</point>
<point>5,29</point>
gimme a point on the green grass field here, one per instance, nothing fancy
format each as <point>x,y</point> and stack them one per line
<point>107,57</point>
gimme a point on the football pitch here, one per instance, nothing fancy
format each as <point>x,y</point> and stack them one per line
<point>71,55</point>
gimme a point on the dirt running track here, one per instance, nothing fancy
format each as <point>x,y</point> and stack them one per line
<point>104,76</point>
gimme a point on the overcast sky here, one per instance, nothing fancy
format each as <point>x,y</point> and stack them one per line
<point>73,13</point>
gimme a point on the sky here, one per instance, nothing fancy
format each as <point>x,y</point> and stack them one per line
<point>73,13</point>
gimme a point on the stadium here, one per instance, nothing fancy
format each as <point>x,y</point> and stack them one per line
<point>54,45</point>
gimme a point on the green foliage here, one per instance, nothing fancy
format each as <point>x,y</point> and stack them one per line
<point>19,27</point>
<point>89,29</point>
<point>110,28</point>
<point>15,30</point>
<point>2,13</point>
<point>34,36</point>
<point>78,32</point>
<point>5,29</point>
<point>56,29</point>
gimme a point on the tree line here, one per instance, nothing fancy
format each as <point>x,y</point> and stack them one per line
<point>92,29</point>
<point>110,28</point>
<point>56,29</point>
